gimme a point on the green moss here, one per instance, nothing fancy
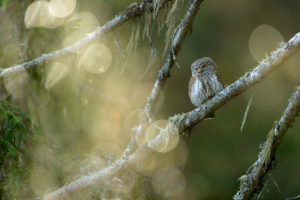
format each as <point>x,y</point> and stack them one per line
<point>14,134</point>
<point>176,118</point>
<point>3,4</point>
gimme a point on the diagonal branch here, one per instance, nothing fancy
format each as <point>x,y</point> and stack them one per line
<point>191,118</point>
<point>143,151</point>
<point>164,73</point>
<point>179,34</point>
<point>253,182</point>
<point>132,11</point>
<point>264,68</point>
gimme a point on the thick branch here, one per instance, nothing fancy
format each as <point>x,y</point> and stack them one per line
<point>179,34</point>
<point>252,182</point>
<point>132,11</point>
<point>264,68</point>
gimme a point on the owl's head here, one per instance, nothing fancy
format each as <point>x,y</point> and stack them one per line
<point>203,66</point>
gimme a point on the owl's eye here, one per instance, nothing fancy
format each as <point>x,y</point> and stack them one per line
<point>204,66</point>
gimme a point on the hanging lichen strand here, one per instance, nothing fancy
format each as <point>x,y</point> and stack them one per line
<point>166,14</point>
<point>172,21</point>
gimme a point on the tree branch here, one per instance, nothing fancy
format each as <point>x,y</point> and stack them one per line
<point>143,151</point>
<point>193,117</point>
<point>164,73</point>
<point>264,68</point>
<point>103,176</point>
<point>179,34</point>
<point>187,120</point>
<point>132,11</point>
<point>252,182</point>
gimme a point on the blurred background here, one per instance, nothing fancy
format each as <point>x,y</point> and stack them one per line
<point>84,105</point>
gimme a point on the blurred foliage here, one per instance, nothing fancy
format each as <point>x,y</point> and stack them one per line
<point>15,132</point>
<point>3,3</point>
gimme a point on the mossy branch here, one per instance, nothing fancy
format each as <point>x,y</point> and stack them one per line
<point>253,182</point>
<point>251,78</point>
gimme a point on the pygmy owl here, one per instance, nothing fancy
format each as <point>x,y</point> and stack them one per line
<point>205,82</point>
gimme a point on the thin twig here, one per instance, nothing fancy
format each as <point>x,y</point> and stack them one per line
<point>246,113</point>
<point>253,181</point>
<point>275,183</point>
<point>118,47</point>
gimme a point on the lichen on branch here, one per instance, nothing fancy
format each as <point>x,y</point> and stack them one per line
<point>252,182</point>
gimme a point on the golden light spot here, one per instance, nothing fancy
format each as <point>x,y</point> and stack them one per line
<point>55,72</point>
<point>149,165</point>
<point>169,182</point>
<point>177,157</point>
<point>96,59</point>
<point>78,26</point>
<point>155,129</point>
<point>38,15</point>
<point>162,136</point>
<point>263,40</point>
<point>122,183</point>
<point>32,14</point>
<point>62,8</point>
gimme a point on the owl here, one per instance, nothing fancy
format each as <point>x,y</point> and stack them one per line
<point>205,82</point>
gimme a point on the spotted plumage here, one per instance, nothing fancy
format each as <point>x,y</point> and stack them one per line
<point>205,82</point>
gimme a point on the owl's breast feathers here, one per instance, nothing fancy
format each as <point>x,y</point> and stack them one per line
<point>202,88</point>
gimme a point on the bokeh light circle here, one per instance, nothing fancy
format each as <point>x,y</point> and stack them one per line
<point>169,182</point>
<point>162,136</point>
<point>263,40</point>
<point>55,72</point>
<point>62,8</point>
<point>77,26</point>
<point>96,59</point>
<point>32,14</point>
<point>38,15</point>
